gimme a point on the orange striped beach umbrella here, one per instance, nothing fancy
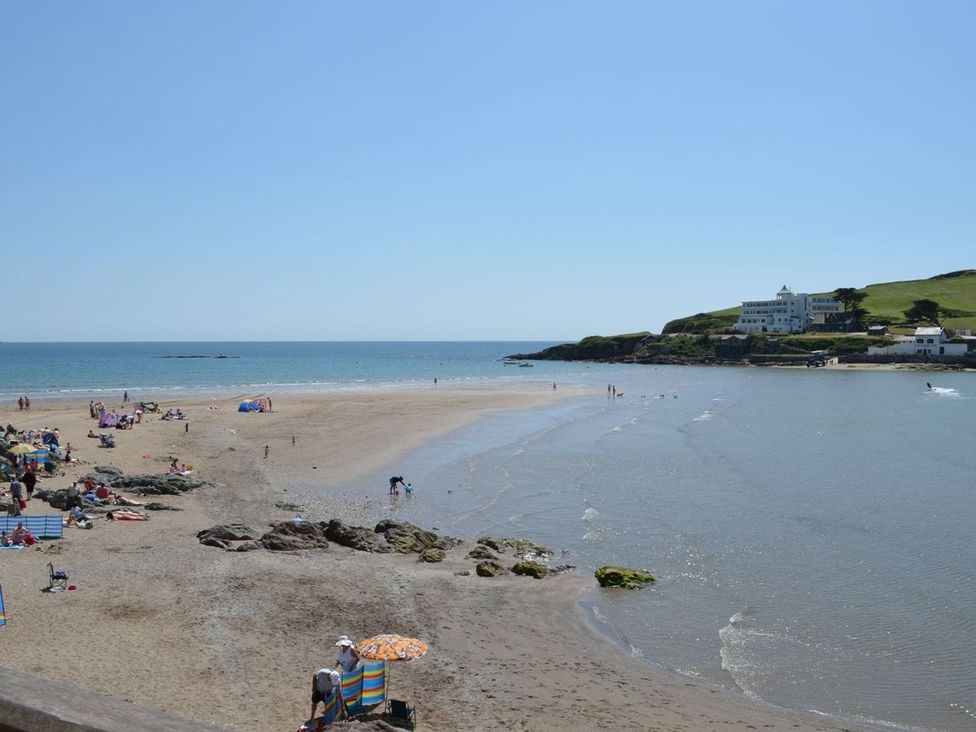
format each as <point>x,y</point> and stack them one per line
<point>391,647</point>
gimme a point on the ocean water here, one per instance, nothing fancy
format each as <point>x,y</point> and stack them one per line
<point>101,370</point>
<point>811,530</point>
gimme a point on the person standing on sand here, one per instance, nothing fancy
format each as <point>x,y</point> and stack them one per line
<point>266,449</point>
<point>20,404</point>
<point>186,428</point>
<point>125,397</point>
<point>395,482</point>
<point>269,404</point>
<point>293,439</point>
<point>30,480</point>
<point>27,403</point>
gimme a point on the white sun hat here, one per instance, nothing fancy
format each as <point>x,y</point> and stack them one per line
<point>344,641</point>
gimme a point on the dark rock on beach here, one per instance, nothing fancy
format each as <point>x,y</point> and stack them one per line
<point>229,532</point>
<point>356,537</point>
<point>55,499</point>
<point>294,536</point>
<point>153,485</point>
<point>154,506</point>
<point>247,546</point>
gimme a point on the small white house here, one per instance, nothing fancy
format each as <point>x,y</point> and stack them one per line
<point>929,341</point>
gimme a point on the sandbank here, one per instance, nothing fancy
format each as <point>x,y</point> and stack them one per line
<point>232,638</point>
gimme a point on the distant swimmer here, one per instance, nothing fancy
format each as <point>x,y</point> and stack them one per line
<point>928,385</point>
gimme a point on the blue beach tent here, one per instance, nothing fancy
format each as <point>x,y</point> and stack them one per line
<point>249,406</point>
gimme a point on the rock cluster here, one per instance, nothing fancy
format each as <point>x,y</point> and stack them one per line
<point>388,536</point>
<point>530,558</point>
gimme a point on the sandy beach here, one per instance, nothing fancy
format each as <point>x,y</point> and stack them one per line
<point>232,638</point>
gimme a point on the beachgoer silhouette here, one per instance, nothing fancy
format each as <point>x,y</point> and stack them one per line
<point>266,449</point>
<point>395,482</point>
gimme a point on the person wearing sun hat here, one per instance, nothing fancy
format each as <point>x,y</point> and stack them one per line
<point>348,657</point>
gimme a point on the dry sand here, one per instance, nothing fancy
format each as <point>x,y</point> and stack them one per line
<point>232,638</point>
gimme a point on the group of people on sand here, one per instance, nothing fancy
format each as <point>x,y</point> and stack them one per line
<point>20,536</point>
<point>99,495</point>
<point>327,682</point>
<point>24,404</point>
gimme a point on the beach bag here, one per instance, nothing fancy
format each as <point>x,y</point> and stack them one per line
<point>23,504</point>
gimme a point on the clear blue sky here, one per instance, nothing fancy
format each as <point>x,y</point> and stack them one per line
<point>466,171</point>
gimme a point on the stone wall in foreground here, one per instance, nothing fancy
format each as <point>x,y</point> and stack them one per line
<point>31,704</point>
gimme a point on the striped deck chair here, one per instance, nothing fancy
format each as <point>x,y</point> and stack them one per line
<point>3,614</point>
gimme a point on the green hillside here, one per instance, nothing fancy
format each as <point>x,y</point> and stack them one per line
<point>886,302</point>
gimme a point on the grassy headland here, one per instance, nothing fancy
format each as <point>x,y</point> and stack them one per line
<point>886,302</point>
<point>699,338</point>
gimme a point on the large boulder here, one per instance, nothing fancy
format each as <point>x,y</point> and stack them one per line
<point>229,532</point>
<point>626,577</point>
<point>404,537</point>
<point>294,536</point>
<point>107,472</point>
<point>155,485</point>
<point>432,555</point>
<point>481,552</point>
<point>531,569</point>
<point>490,569</point>
<point>56,499</point>
<point>522,548</point>
<point>356,537</point>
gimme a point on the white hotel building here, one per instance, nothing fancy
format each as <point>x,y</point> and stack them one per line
<point>788,313</point>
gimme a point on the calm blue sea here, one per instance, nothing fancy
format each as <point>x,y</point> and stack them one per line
<point>92,370</point>
<point>811,530</point>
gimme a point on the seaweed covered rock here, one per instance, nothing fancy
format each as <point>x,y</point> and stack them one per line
<point>481,552</point>
<point>525,548</point>
<point>432,555</point>
<point>490,569</point>
<point>491,543</point>
<point>404,537</point>
<point>626,577</point>
<point>295,535</point>
<point>356,537</point>
<point>530,569</point>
